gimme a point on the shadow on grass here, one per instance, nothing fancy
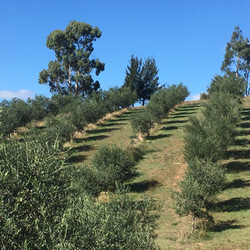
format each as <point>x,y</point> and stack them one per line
<point>239,154</point>
<point>172,121</point>
<point>237,183</point>
<point>236,166</point>
<point>104,130</point>
<point>232,205</point>
<point>180,113</point>
<point>140,187</point>
<point>169,128</point>
<point>90,138</point>
<point>242,142</point>
<point>110,124</point>
<point>77,158</point>
<point>155,137</point>
<point>83,148</point>
<point>225,225</point>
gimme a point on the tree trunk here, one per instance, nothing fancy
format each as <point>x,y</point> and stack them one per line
<point>70,85</point>
<point>192,226</point>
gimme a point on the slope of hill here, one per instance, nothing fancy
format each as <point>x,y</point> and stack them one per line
<point>163,168</point>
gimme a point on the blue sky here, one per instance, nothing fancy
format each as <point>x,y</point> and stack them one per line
<point>187,38</point>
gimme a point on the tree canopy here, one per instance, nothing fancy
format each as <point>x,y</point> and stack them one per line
<point>71,71</point>
<point>237,56</point>
<point>142,78</point>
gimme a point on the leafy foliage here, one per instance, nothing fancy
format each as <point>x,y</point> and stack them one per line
<point>113,166</point>
<point>46,204</point>
<point>210,136</point>
<point>142,122</point>
<point>15,113</point>
<point>202,181</point>
<point>34,186</point>
<point>71,71</point>
<point>228,85</point>
<point>119,224</point>
<point>142,78</point>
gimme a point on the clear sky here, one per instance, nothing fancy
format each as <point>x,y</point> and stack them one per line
<point>187,38</point>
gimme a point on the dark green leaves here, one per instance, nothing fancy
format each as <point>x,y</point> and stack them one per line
<point>71,71</point>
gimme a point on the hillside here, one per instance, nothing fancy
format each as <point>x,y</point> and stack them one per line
<point>163,167</point>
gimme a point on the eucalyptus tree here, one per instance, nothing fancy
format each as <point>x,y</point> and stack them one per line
<point>71,71</point>
<point>237,56</point>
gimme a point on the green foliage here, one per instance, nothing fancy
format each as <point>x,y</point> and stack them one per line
<point>118,98</point>
<point>211,136</point>
<point>59,104</point>
<point>148,84</point>
<point>142,78</point>
<point>202,181</point>
<point>15,113</point>
<point>59,129</point>
<point>119,224</point>
<point>237,54</point>
<point>44,204</point>
<point>113,166</point>
<point>204,96</point>
<point>142,122</point>
<point>34,188</point>
<point>92,110</point>
<point>166,99</point>
<point>88,181</point>
<point>39,107</point>
<point>228,85</point>
<point>71,71</point>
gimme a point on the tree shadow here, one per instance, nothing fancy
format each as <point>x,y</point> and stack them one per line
<point>231,205</point>
<point>77,158</point>
<point>245,112</point>
<point>238,154</point>
<point>155,137</point>
<point>241,142</point>
<point>110,124</point>
<point>103,130</point>
<point>237,183</point>
<point>244,124</point>
<point>140,187</point>
<point>236,167</point>
<point>175,122</point>
<point>225,225</point>
<point>167,128</point>
<point>180,113</point>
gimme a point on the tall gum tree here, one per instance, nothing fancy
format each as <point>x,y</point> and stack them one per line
<point>237,56</point>
<point>71,72</point>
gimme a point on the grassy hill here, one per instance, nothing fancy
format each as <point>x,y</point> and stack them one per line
<point>163,167</point>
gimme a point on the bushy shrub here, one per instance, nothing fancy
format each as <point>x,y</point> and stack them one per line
<point>15,113</point>
<point>120,223</point>
<point>166,99</point>
<point>59,129</point>
<point>204,96</point>
<point>60,104</point>
<point>34,188</point>
<point>227,84</point>
<point>113,166</point>
<point>39,107</point>
<point>202,181</point>
<point>210,136</point>
<point>92,110</point>
<point>142,121</point>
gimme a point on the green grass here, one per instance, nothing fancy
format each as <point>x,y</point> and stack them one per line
<point>163,167</point>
